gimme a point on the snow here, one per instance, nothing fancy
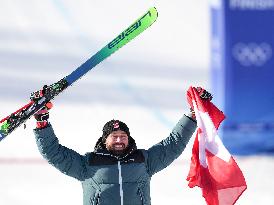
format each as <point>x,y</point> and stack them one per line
<point>143,84</point>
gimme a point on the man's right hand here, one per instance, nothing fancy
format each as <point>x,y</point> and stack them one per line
<point>42,116</point>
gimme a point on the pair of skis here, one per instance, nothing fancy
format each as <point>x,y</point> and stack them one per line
<point>17,118</point>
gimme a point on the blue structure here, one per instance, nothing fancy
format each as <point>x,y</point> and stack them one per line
<point>242,42</point>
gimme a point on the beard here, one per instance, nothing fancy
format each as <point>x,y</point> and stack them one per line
<point>118,151</point>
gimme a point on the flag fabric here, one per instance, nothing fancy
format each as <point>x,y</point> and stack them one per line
<point>212,168</point>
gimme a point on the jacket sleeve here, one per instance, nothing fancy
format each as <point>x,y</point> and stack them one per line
<point>64,159</point>
<point>164,153</point>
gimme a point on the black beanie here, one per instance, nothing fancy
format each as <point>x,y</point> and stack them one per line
<point>114,125</point>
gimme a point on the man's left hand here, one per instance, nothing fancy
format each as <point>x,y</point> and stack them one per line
<point>204,94</point>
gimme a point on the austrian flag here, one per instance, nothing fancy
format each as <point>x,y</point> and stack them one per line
<point>212,167</point>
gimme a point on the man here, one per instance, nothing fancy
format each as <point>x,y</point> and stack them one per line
<point>116,172</point>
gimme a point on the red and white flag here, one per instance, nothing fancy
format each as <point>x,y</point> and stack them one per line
<point>212,167</point>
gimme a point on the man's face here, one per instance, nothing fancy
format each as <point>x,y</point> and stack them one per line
<point>117,142</point>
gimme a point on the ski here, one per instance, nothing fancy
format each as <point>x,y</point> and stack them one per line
<point>17,118</point>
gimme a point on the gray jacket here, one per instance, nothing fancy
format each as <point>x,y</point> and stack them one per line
<point>109,180</point>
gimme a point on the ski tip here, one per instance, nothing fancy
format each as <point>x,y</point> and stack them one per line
<point>154,10</point>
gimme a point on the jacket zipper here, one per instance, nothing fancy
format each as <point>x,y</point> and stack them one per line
<point>141,196</point>
<point>121,183</point>
<point>98,199</point>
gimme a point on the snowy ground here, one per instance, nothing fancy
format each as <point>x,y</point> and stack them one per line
<point>38,183</point>
<point>143,85</point>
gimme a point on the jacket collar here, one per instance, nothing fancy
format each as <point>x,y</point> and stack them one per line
<point>105,152</point>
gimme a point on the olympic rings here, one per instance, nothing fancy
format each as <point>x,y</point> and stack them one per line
<point>252,54</point>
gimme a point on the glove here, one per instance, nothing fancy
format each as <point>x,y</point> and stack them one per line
<point>204,95</point>
<point>42,116</point>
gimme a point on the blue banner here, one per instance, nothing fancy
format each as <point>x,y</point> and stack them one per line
<point>242,42</point>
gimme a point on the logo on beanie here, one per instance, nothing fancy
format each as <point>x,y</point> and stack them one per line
<point>116,125</point>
